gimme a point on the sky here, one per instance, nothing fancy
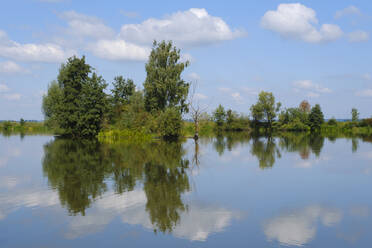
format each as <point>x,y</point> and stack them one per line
<point>313,50</point>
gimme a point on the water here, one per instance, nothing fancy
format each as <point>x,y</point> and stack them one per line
<point>233,191</point>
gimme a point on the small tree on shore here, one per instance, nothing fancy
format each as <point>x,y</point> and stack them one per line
<point>354,115</point>
<point>265,109</point>
<point>316,118</point>
<point>219,116</point>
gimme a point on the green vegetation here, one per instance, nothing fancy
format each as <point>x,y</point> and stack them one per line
<point>76,105</point>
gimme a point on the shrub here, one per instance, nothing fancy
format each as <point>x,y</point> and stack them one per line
<point>170,123</point>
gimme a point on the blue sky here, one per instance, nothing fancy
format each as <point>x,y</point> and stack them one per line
<point>314,50</point>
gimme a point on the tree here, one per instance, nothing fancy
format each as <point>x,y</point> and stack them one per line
<point>354,114</point>
<point>305,106</point>
<point>123,90</point>
<point>265,109</point>
<point>170,123</point>
<point>164,87</point>
<point>316,118</point>
<point>196,111</point>
<point>121,93</point>
<point>22,122</point>
<point>77,103</point>
<point>93,104</point>
<point>219,116</point>
<point>52,104</point>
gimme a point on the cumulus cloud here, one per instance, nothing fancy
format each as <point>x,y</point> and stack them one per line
<point>186,28</point>
<point>296,21</point>
<point>84,25</point>
<point>358,36</point>
<point>31,52</point>
<point>119,50</point>
<point>10,67</point>
<point>351,10</point>
<point>311,89</point>
<point>299,227</point>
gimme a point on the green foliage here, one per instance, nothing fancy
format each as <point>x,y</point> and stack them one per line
<point>123,90</point>
<point>121,93</point>
<point>316,118</point>
<point>78,170</point>
<point>265,109</point>
<point>295,125</point>
<point>219,116</point>
<point>332,122</point>
<point>22,122</point>
<point>354,115</point>
<point>170,123</point>
<point>52,104</point>
<point>77,103</point>
<point>291,115</point>
<point>164,87</point>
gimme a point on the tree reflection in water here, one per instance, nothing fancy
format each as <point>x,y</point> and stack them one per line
<point>78,171</point>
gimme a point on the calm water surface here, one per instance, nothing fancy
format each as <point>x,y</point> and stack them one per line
<point>229,191</point>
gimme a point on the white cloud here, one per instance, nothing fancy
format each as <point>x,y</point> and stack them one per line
<point>351,10</point>
<point>296,21</point>
<point>312,90</point>
<point>196,224</point>
<point>237,97</point>
<point>358,36</point>
<point>88,26</point>
<point>194,76</point>
<point>189,28</point>
<point>365,93</point>
<point>12,97</point>
<point>297,228</point>
<point>119,50</point>
<point>10,67</point>
<point>47,52</point>
<point>200,96</point>
<point>4,88</point>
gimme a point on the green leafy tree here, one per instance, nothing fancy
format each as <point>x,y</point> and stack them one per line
<point>164,86</point>
<point>265,109</point>
<point>93,103</point>
<point>354,115</point>
<point>316,117</point>
<point>22,122</point>
<point>77,104</point>
<point>219,116</point>
<point>123,90</point>
<point>52,104</point>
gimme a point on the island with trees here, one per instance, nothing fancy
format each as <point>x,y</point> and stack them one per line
<point>78,105</point>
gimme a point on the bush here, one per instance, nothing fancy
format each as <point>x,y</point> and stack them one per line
<point>296,125</point>
<point>332,122</point>
<point>366,122</point>
<point>170,123</point>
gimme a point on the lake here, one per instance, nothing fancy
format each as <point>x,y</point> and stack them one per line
<point>226,191</point>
